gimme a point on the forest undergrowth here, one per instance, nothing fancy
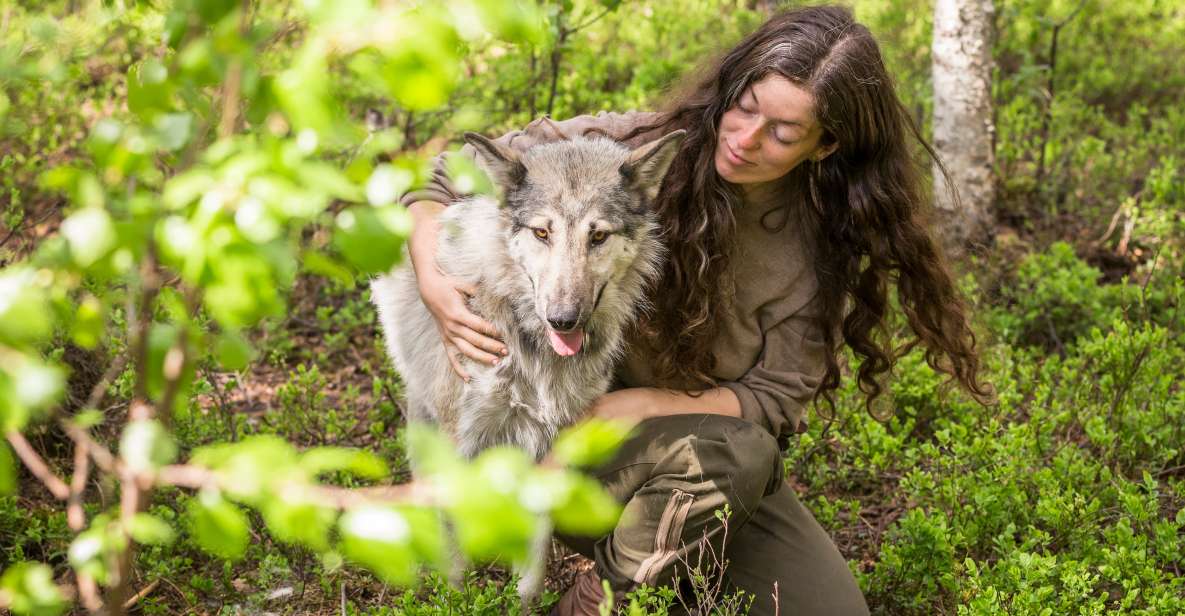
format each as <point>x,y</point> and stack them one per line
<point>1067,497</point>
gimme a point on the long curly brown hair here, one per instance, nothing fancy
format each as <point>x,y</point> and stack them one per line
<point>865,210</point>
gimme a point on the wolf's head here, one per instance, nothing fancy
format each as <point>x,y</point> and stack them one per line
<point>580,223</point>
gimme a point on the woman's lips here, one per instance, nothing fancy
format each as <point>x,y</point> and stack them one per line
<point>733,157</point>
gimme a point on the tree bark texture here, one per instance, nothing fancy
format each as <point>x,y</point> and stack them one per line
<point>963,128</point>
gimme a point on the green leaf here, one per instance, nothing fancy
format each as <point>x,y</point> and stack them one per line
<point>149,529</point>
<point>90,235</point>
<point>392,541</point>
<point>488,492</point>
<point>355,461</point>
<point>27,385</point>
<point>233,351</point>
<point>300,522</point>
<point>322,265</point>
<point>88,325</point>
<point>173,130</point>
<point>467,177</point>
<point>212,11</point>
<point>303,90</point>
<point>82,186</point>
<point>38,385</point>
<point>149,90</point>
<point>430,451</point>
<point>387,183</point>
<point>516,22</point>
<point>87,418</point>
<point>422,67</point>
<point>218,526</point>
<point>187,187</point>
<point>146,445</point>
<point>162,337</point>
<point>31,590</point>
<point>248,469</point>
<point>428,536</point>
<point>585,508</point>
<point>371,238</point>
<point>176,24</point>
<point>338,12</point>
<point>181,247</point>
<point>590,443</point>
<point>24,307</point>
<point>88,548</point>
<point>329,180</point>
<point>255,221</point>
<point>7,471</point>
<point>243,289</point>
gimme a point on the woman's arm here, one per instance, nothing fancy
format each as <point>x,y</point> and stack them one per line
<point>638,403</point>
<point>461,331</point>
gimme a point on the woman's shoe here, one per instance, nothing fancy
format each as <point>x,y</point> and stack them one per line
<point>585,597</point>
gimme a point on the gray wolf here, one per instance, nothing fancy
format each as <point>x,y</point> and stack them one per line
<point>560,263</point>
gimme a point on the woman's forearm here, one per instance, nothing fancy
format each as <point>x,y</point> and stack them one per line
<point>421,245</point>
<point>637,403</point>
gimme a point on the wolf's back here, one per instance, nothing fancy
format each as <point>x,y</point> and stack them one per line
<point>411,338</point>
<point>466,253</point>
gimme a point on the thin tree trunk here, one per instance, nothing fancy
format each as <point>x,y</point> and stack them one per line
<point>963,127</point>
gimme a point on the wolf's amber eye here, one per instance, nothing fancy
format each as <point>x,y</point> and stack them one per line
<point>598,237</point>
<point>541,234</point>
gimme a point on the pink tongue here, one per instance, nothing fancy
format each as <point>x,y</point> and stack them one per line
<point>566,344</point>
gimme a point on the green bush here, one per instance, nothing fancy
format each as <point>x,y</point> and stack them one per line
<point>1054,299</point>
<point>1065,498</point>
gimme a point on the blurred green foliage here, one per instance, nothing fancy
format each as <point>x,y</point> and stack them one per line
<point>204,168</point>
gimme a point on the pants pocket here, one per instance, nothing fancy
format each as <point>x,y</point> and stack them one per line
<point>666,539</point>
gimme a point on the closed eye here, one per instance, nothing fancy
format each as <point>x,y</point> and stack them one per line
<point>781,138</point>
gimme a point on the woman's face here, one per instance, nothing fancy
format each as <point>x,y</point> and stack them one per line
<point>769,130</point>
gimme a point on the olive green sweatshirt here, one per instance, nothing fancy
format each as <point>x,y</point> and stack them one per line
<point>770,352</point>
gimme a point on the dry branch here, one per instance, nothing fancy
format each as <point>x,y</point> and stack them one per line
<point>37,466</point>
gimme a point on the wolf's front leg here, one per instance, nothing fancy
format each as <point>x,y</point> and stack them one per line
<point>481,422</point>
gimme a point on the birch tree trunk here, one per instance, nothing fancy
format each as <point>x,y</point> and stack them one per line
<point>963,128</point>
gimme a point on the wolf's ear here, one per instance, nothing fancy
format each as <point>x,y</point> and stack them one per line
<point>646,166</point>
<point>501,163</point>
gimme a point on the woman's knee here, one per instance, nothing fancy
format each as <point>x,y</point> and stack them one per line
<point>739,457</point>
<point>717,452</point>
<point>739,447</point>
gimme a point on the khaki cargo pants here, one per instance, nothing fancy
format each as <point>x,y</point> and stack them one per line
<point>674,475</point>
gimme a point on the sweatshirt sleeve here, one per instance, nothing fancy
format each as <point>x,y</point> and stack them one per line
<point>774,393</point>
<point>441,189</point>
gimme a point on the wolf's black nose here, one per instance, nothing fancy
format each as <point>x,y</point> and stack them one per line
<point>562,325</point>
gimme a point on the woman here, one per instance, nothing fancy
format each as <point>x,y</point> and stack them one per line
<point>791,206</point>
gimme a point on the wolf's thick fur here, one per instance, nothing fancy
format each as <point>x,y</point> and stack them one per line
<point>542,279</point>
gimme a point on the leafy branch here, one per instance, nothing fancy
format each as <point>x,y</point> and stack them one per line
<point>187,227</point>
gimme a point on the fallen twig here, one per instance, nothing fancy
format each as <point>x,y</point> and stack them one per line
<point>127,605</point>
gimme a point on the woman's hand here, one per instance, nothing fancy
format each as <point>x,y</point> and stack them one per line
<point>461,331</point>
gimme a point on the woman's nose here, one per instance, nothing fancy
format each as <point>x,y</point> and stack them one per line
<point>749,136</point>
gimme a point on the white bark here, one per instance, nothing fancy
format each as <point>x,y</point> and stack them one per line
<point>963,129</point>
